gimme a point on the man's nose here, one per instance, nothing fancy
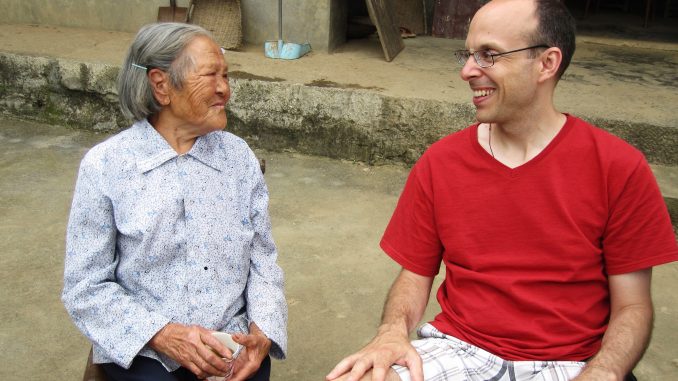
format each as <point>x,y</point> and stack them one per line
<point>470,69</point>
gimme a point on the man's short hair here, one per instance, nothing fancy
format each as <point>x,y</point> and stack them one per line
<point>556,28</point>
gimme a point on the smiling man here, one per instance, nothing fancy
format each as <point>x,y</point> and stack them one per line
<point>548,228</point>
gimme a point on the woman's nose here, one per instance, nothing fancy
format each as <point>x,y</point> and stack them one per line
<point>223,86</point>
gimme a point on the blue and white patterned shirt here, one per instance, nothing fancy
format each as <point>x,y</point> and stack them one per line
<point>156,237</point>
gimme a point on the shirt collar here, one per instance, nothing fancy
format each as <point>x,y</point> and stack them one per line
<point>153,150</point>
<point>210,150</point>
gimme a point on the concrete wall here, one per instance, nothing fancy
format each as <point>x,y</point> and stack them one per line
<point>338,24</point>
<point>303,20</point>
<point>120,15</point>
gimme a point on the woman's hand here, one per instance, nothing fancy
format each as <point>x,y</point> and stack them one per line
<point>194,348</point>
<point>257,346</point>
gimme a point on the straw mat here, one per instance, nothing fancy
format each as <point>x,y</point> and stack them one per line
<point>222,18</point>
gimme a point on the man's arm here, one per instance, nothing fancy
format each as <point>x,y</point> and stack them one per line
<point>628,333</point>
<point>405,305</point>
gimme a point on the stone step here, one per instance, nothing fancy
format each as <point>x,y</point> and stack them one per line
<point>351,104</point>
<point>354,124</point>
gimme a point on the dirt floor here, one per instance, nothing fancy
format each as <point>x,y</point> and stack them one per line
<point>327,217</point>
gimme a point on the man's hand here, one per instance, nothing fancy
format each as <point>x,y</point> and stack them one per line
<point>257,346</point>
<point>404,307</point>
<point>194,348</point>
<point>390,346</point>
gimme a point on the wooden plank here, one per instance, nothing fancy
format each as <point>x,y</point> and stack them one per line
<point>451,18</point>
<point>410,14</point>
<point>382,16</point>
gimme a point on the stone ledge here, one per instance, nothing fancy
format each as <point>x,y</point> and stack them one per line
<point>354,124</point>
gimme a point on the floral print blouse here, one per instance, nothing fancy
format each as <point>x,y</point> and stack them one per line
<point>155,237</point>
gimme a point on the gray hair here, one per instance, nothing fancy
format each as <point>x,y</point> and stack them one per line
<point>160,46</point>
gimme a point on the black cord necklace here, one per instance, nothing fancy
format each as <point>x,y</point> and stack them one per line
<point>489,138</point>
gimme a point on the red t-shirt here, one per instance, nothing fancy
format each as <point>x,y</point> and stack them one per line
<point>527,250</point>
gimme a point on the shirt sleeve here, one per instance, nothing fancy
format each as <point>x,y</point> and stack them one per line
<point>99,306</point>
<point>266,304</point>
<point>639,233</point>
<point>411,237</point>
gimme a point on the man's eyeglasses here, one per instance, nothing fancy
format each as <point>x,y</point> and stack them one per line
<point>484,58</point>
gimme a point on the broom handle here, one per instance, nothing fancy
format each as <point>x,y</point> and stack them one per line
<point>280,20</point>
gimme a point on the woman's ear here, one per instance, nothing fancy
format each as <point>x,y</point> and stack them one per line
<point>160,85</point>
<point>550,62</point>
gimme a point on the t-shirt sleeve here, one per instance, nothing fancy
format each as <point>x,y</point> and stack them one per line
<point>411,237</point>
<point>639,233</point>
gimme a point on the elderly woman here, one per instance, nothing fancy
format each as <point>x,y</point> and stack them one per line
<point>169,237</point>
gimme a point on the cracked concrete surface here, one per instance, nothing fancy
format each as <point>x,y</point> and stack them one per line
<point>328,216</point>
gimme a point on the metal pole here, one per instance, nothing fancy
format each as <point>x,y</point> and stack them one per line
<point>280,5</point>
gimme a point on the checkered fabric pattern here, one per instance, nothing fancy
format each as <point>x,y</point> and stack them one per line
<point>447,358</point>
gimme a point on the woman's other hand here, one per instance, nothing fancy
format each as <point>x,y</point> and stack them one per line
<point>194,348</point>
<point>257,346</point>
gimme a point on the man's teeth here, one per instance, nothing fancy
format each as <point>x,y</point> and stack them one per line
<point>482,93</point>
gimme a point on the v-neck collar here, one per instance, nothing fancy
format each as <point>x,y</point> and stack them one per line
<point>514,172</point>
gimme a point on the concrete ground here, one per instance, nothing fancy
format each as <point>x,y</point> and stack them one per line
<point>327,216</point>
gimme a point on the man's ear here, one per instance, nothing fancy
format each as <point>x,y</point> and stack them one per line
<point>550,62</point>
<point>160,84</point>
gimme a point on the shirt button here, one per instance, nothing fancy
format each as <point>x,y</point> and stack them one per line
<point>205,267</point>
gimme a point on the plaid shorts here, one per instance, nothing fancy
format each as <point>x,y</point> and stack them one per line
<point>446,358</point>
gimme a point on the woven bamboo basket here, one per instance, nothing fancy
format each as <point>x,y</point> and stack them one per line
<point>221,17</point>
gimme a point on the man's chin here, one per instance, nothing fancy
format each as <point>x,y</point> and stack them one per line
<point>484,117</point>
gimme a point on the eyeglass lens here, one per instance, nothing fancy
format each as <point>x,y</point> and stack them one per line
<point>462,56</point>
<point>482,57</point>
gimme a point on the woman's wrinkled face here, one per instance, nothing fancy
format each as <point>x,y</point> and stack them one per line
<point>201,100</point>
